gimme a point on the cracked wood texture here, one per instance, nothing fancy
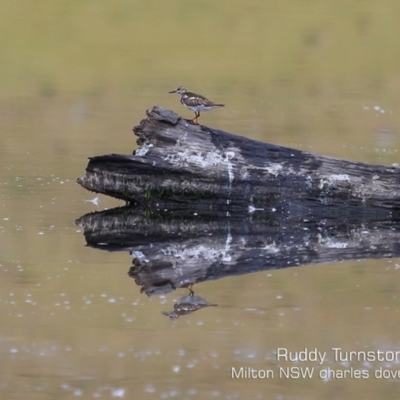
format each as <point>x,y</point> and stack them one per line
<point>179,165</point>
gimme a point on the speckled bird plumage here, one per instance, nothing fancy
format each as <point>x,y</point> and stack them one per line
<point>195,102</point>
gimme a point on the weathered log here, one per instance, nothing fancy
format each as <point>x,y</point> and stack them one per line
<point>180,165</point>
<point>173,253</point>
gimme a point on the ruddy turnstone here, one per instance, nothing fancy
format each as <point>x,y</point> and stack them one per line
<point>195,102</point>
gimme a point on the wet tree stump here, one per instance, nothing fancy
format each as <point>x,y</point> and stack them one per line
<point>185,166</point>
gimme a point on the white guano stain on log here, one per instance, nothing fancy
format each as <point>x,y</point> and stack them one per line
<point>230,155</point>
<point>273,169</point>
<point>329,180</point>
<point>143,150</point>
<point>340,177</point>
<point>205,160</point>
<point>280,170</point>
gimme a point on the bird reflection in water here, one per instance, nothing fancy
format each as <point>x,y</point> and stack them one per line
<point>188,304</point>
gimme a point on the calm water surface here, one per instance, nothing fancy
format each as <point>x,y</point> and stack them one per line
<point>74,325</point>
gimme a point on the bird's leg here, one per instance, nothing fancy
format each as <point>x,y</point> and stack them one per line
<point>197,115</point>
<point>190,287</point>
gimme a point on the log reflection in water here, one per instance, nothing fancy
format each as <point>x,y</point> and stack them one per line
<point>170,252</point>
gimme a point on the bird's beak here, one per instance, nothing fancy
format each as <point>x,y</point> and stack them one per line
<point>172,91</point>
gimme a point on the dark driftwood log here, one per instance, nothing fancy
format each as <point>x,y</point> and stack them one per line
<point>181,165</point>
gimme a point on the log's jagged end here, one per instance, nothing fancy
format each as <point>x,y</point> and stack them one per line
<point>166,126</point>
<point>162,114</point>
<point>156,114</point>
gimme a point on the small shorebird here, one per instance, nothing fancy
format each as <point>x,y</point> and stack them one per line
<point>195,102</point>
